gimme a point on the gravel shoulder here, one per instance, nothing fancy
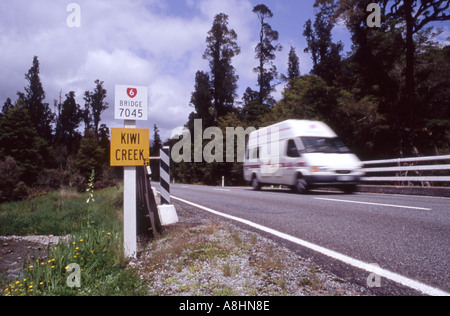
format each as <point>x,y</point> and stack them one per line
<point>204,255</point>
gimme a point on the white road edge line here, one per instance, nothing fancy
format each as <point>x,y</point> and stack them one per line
<point>418,286</point>
<point>376,204</point>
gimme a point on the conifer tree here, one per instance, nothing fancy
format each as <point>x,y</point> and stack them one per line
<point>265,53</point>
<point>40,113</point>
<point>221,48</point>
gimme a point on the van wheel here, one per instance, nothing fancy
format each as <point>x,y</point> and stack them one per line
<point>301,186</point>
<point>255,183</point>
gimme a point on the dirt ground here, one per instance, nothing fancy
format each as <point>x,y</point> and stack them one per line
<point>14,253</point>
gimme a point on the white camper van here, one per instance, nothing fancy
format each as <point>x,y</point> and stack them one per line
<point>300,154</point>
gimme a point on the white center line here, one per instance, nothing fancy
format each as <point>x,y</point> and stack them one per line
<point>376,204</point>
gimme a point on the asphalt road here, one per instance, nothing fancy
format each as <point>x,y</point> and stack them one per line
<point>406,235</point>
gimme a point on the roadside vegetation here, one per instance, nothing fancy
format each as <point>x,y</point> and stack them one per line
<point>93,229</point>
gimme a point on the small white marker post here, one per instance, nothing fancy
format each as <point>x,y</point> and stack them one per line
<point>129,206</point>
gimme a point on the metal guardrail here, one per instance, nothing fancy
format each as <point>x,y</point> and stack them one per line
<point>407,170</point>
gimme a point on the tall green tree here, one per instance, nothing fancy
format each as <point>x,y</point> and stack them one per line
<point>7,105</point>
<point>221,48</point>
<point>86,112</point>
<point>416,14</point>
<point>95,106</point>
<point>325,54</point>
<point>155,152</point>
<point>202,100</point>
<point>91,156</point>
<point>68,120</point>
<point>252,110</point>
<point>293,67</point>
<point>432,77</point>
<point>20,140</point>
<point>265,53</point>
<point>40,113</point>
<point>157,143</point>
<point>384,63</point>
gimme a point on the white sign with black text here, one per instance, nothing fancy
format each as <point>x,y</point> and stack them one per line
<point>131,103</point>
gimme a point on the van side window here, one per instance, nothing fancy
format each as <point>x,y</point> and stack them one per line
<point>292,150</point>
<point>254,153</point>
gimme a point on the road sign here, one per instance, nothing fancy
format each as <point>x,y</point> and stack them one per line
<point>131,103</point>
<point>129,147</point>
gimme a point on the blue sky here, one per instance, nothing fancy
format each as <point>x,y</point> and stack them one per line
<point>153,43</point>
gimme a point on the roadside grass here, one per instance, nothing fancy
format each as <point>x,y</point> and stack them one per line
<point>94,243</point>
<point>59,213</point>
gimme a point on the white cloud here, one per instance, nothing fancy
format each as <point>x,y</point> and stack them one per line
<point>119,42</point>
<point>154,43</point>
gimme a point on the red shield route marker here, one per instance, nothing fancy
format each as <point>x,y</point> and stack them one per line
<point>132,92</point>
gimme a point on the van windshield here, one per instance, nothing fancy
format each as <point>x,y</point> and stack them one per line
<point>324,145</point>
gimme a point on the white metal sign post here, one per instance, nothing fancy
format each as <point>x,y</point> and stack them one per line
<point>131,105</point>
<point>129,206</point>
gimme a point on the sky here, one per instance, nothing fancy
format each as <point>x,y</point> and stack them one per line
<point>154,43</point>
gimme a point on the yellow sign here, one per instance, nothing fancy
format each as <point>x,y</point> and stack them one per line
<point>129,147</point>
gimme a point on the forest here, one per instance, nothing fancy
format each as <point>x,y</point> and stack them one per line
<point>388,97</point>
